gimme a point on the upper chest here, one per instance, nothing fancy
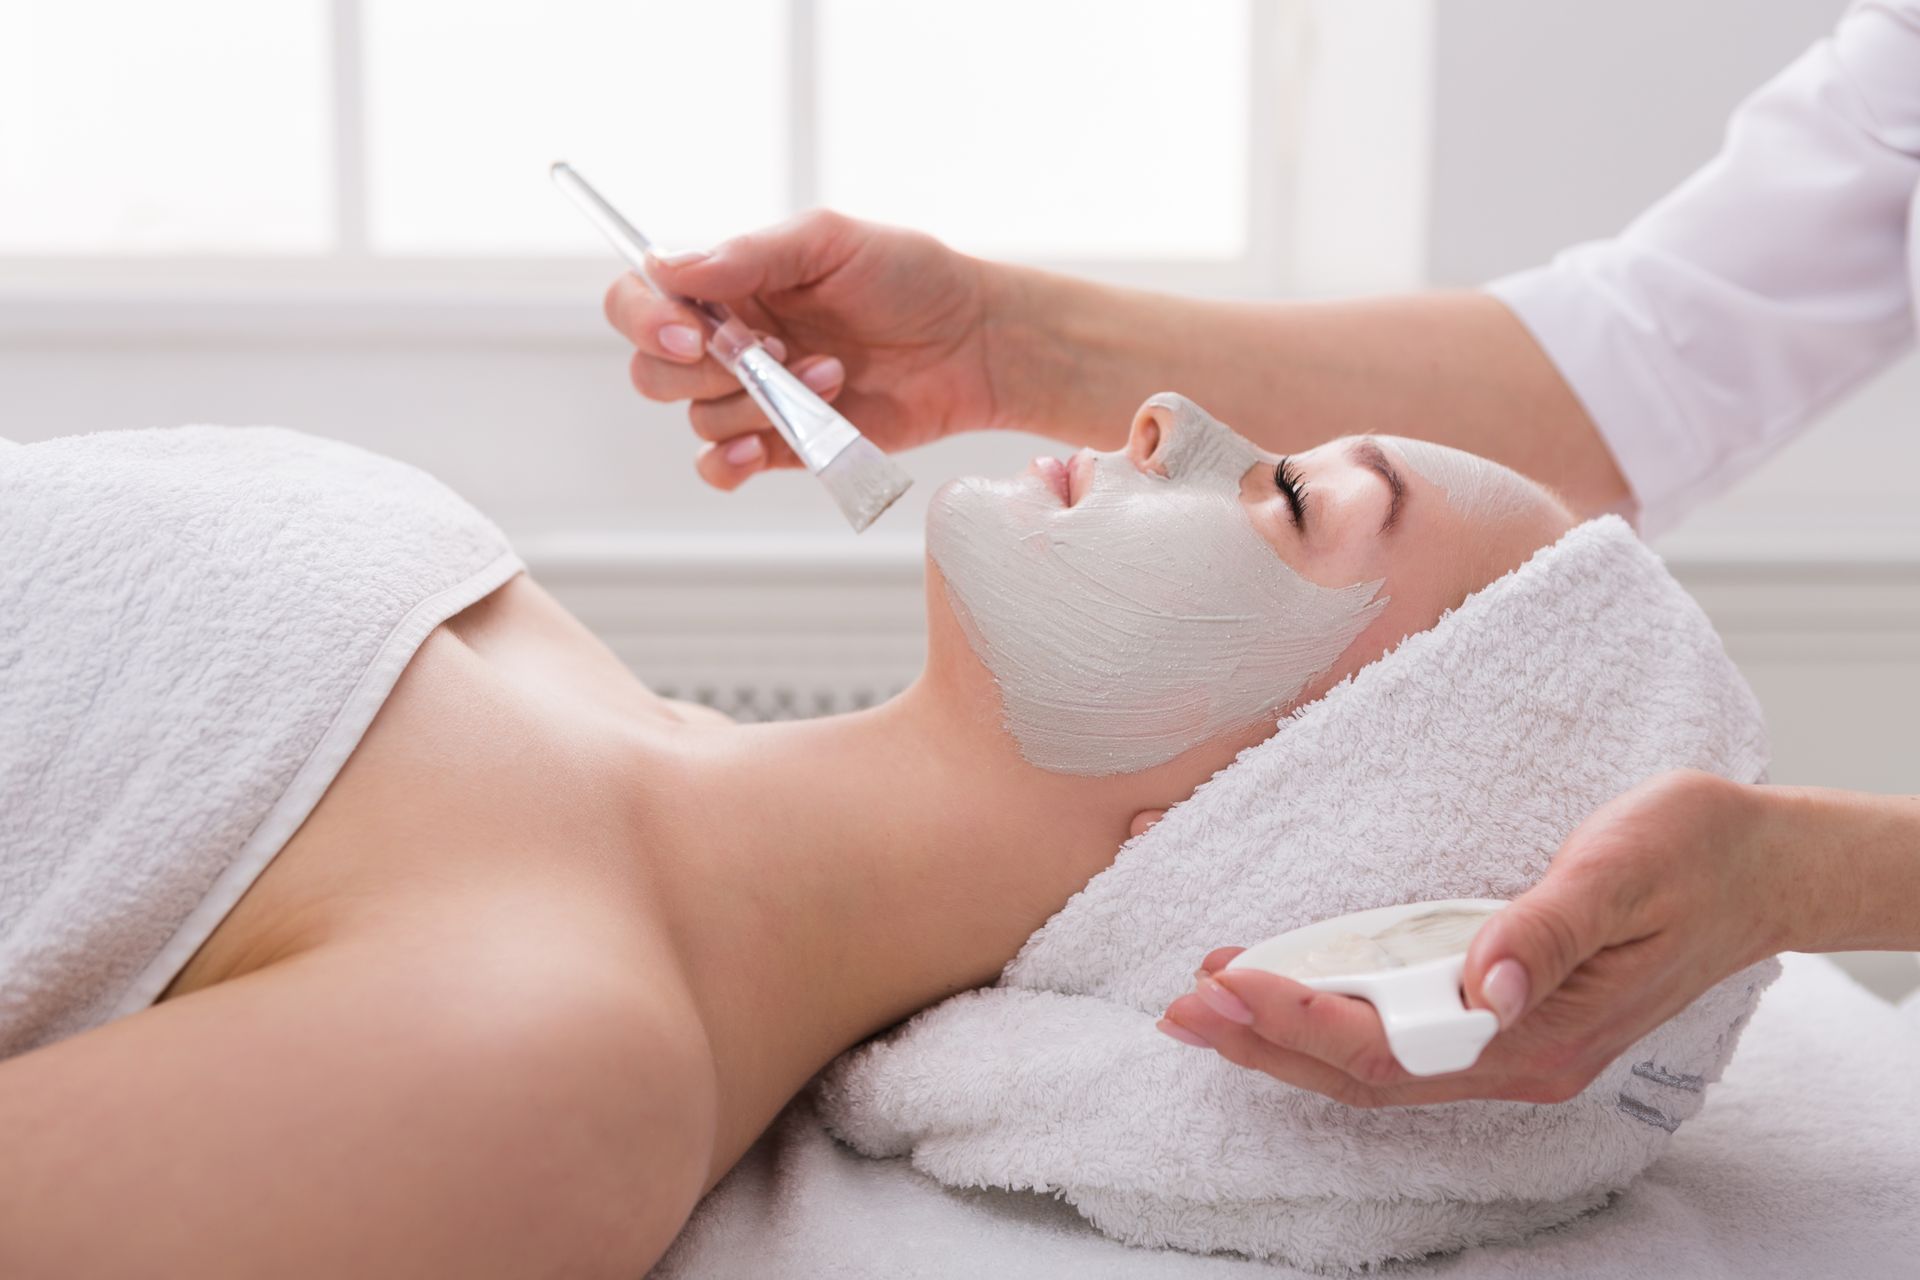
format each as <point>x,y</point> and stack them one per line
<point>502,766</point>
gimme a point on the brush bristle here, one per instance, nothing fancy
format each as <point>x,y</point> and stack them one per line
<point>864,482</point>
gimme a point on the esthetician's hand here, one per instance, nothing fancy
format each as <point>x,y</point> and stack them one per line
<point>1658,895</point>
<point>888,325</point>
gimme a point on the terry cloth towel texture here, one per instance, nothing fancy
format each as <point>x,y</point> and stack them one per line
<point>1807,1164</point>
<point>196,626</point>
<point>1451,768</point>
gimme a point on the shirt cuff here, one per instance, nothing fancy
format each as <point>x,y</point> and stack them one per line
<point>1598,345</point>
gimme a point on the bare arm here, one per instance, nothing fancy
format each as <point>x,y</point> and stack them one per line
<point>415,1107</point>
<point>1702,337</point>
<point>1455,367</point>
<point>914,341</point>
<point>1861,890</point>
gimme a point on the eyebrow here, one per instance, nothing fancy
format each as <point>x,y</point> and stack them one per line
<point>1370,455</point>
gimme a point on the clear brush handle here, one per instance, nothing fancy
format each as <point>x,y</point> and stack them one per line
<point>814,431</point>
<point>730,335</point>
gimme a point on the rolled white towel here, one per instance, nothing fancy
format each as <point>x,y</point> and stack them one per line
<point>1451,768</point>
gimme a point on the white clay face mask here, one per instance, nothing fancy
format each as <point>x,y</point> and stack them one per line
<point>1145,619</point>
<point>1476,488</point>
<point>1427,936</point>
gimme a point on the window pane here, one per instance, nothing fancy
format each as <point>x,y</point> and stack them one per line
<point>672,109</point>
<point>135,126</point>
<point>1070,129</point>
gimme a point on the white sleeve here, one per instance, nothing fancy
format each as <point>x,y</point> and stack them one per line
<point>1772,281</point>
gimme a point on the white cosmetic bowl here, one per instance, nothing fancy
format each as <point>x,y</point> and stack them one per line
<point>1429,1027</point>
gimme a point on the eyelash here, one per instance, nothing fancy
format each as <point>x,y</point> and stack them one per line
<point>1289,482</point>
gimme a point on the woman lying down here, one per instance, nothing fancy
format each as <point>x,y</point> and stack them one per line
<point>363,913</point>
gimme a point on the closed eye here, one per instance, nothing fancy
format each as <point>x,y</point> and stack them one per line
<point>1286,477</point>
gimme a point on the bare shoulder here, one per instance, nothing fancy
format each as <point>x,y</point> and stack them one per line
<point>513,1106</point>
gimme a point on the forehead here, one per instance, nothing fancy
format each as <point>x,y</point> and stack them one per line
<point>1476,487</point>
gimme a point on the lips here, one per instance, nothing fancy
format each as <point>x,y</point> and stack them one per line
<point>1053,474</point>
<point>1069,479</point>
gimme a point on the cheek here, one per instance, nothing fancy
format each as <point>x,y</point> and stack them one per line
<point>1410,610</point>
<point>1127,638</point>
<point>957,668</point>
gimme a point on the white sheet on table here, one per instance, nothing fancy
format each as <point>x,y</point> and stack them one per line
<point>1806,1161</point>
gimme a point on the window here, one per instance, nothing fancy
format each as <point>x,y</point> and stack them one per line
<point>382,139</point>
<point>119,133</point>
<point>1064,130</point>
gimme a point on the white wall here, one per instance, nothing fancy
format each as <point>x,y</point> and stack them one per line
<point>542,434</point>
<point>1557,120</point>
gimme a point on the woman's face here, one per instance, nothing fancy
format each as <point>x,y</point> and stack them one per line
<point>1168,601</point>
<point>1172,599</point>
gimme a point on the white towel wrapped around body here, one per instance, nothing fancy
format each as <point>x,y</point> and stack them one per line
<point>197,624</point>
<point>1451,768</point>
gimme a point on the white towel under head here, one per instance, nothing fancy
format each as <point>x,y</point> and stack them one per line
<point>1453,767</point>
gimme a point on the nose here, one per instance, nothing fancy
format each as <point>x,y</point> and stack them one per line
<point>1156,425</point>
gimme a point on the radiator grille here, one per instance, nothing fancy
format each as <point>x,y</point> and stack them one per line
<point>750,702</point>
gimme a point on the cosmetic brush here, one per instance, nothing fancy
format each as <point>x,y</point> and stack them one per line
<point>862,481</point>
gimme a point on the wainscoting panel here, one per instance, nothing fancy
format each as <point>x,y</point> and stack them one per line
<point>1833,651</point>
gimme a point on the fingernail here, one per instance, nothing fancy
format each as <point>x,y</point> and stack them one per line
<point>679,340</point>
<point>1224,1002</point>
<point>1183,1035</point>
<point>1202,972</point>
<point>681,257</point>
<point>776,347</point>
<point>1505,990</point>
<point>740,452</point>
<point>824,375</point>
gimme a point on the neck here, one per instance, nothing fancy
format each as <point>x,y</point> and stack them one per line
<point>825,879</point>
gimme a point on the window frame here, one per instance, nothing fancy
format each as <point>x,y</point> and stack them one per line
<point>349,289</point>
